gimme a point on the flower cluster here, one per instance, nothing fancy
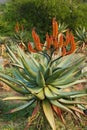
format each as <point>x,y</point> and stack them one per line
<point>55,42</point>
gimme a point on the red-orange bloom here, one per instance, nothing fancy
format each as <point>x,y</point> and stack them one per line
<point>55,43</point>
<point>36,40</point>
<point>55,28</point>
<point>49,41</point>
<point>72,43</point>
<point>30,49</point>
<point>67,38</point>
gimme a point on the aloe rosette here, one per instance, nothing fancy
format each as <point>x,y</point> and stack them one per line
<point>43,75</point>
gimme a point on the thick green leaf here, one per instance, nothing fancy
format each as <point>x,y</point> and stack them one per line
<point>48,72</point>
<point>30,61</point>
<point>12,55</point>
<point>49,94</point>
<point>71,101</point>
<point>9,78</point>
<point>69,60</point>
<point>19,76</point>
<point>54,76</point>
<point>65,74</point>
<point>19,98</point>
<point>23,106</point>
<point>40,79</point>
<point>58,85</point>
<point>49,113</point>
<point>34,90</point>
<point>21,73</point>
<point>27,68</point>
<point>16,88</point>
<point>34,61</point>
<point>78,95</point>
<point>40,95</point>
<point>42,68</point>
<point>72,93</point>
<point>17,65</point>
<point>56,103</point>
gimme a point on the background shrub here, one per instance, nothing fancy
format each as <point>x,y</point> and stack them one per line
<point>39,14</point>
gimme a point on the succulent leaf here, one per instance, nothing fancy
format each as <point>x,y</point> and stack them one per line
<point>40,79</point>
<point>49,113</point>
<point>56,103</point>
<point>23,106</point>
<point>26,98</point>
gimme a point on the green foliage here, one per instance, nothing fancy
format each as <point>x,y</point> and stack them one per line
<point>39,13</point>
<point>43,82</point>
<point>81,35</point>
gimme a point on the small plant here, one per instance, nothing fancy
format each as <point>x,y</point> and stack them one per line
<point>21,36</point>
<point>43,74</point>
<point>81,37</point>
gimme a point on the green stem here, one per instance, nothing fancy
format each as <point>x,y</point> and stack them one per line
<point>46,55</point>
<point>56,59</point>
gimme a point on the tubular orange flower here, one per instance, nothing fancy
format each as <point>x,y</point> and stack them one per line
<point>67,38</point>
<point>36,38</point>
<point>49,41</point>
<point>55,43</point>
<point>39,47</point>
<point>17,27</point>
<point>73,45</point>
<point>30,49</point>
<point>55,28</point>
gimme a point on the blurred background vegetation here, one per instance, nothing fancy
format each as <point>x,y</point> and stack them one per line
<point>39,14</point>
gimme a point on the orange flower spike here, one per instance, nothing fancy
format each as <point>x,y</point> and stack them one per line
<point>34,35</point>
<point>39,47</point>
<point>30,49</point>
<point>73,45</point>
<point>61,40</point>
<point>48,40</point>
<point>17,27</point>
<point>36,40</point>
<point>67,37</point>
<point>55,28</point>
<point>38,44</point>
<point>55,43</point>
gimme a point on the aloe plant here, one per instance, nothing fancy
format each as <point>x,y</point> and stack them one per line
<point>81,35</point>
<point>81,38</point>
<point>43,74</point>
<point>20,36</point>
